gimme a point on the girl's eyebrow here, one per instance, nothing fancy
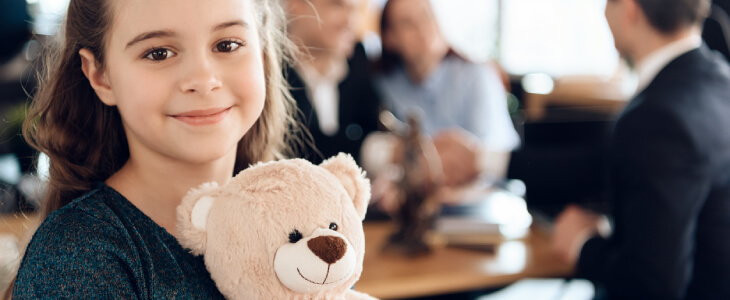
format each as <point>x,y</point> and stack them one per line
<point>151,35</point>
<point>225,25</point>
<point>170,33</point>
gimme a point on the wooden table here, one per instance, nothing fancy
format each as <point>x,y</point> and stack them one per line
<point>450,270</point>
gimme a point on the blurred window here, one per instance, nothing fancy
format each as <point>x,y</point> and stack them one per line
<point>557,37</point>
<point>471,26</point>
<point>47,15</point>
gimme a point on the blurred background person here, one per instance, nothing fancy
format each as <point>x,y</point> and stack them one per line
<point>670,166</point>
<point>462,105</point>
<point>420,73</point>
<point>330,80</point>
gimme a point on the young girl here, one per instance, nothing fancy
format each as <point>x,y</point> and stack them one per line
<point>147,100</point>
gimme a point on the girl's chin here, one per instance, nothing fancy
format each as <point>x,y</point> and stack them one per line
<point>205,156</point>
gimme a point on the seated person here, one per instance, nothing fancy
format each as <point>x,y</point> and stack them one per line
<point>669,165</point>
<point>329,80</point>
<point>462,105</point>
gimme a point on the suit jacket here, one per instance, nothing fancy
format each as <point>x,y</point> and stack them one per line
<point>358,111</point>
<point>670,179</point>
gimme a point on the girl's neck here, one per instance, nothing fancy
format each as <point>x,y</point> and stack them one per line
<point>157,186</point>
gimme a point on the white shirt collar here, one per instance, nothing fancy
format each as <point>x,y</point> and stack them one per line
<point>323,93</point>
<point>649,67</point>
<point>335,73</point>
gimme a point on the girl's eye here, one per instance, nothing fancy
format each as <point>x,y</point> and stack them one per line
<point>227,46</point>
<point>295,236</point>
<point>159,54</point>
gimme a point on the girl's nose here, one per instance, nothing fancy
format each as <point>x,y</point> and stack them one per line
<point>201,78</point>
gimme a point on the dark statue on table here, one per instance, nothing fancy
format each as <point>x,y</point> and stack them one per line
<point>417,202</point>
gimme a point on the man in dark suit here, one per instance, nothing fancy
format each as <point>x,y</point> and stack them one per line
<point>330,80</point>
<point>670,166</point>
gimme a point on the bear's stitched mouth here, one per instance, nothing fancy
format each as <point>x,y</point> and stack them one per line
<point>325,277</point>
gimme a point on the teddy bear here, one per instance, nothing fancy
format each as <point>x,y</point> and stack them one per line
<point>286,229</point>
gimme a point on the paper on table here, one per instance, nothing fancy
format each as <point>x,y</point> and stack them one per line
<point>545,289</point>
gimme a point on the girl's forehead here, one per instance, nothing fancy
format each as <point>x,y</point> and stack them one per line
<point>132,17</point>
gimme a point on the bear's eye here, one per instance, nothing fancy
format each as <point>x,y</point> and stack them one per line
<point>295,236</point>
<point>333,226</point>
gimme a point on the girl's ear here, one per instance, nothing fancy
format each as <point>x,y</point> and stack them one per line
<point>357,185</point>
<point>97,78</point>
<point>192,218</point>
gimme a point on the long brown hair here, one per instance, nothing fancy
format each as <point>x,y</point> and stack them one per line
<point>84,139</point>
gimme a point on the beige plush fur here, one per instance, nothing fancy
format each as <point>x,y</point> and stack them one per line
<point>253,215</point>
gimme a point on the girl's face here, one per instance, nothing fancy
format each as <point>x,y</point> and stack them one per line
<point>186,75</point>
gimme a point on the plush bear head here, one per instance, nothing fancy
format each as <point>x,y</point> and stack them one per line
<point>281,230</point>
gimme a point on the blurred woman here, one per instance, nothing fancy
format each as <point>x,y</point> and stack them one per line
<point>462,105</point>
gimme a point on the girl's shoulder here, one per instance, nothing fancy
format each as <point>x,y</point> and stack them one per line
<point>91,222</point>
<point>77,247</point>
<point>100,245</point>
<point>96,210</point>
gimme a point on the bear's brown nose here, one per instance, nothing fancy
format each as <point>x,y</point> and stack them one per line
<point>330,249</point>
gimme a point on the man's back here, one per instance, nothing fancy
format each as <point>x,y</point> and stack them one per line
<point>671,182</point>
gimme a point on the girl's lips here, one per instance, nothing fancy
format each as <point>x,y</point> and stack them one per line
<point>203,117</point>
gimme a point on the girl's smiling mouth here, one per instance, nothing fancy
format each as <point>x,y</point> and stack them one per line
<point>204,116</point>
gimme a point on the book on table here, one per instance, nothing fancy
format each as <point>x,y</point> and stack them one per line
<point>495,217</point>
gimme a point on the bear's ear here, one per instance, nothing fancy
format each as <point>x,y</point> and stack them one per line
<point>357,185</point>
<point>192,218</point>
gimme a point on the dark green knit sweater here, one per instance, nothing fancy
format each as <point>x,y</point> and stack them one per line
<point>102,246</point>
